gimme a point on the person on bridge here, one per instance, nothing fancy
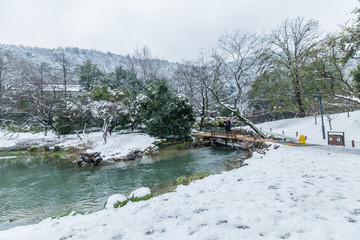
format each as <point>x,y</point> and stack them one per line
<point>228,126</point>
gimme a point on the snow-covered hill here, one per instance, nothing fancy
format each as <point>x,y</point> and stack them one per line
<point>105,61</point>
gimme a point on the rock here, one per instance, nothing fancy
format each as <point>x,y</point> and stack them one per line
<point>87,159</point>
<point>78,161</point>
<point>139,154</point>
<point>107,162</point>
<point>130,156</point>
<point>97,160</point>
<point>193,145</point>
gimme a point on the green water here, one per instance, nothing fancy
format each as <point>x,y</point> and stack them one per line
<point>32,189</point>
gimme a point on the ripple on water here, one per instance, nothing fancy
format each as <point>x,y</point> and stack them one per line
<point>37,188</point>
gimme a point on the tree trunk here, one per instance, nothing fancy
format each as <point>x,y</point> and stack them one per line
<point>298,99</point>
<point>250,124</point>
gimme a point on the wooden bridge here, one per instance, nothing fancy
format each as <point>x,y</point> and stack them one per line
<point>241,136</point>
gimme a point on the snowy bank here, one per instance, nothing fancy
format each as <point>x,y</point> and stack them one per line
<point>308,192</point>
<point>117,144</point>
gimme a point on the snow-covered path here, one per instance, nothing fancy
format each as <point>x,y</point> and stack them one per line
<point>288,193</point>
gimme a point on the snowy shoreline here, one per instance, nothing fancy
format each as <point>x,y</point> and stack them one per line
<point>290,192</point>
<point>117,144</point>
<point>306,192</point>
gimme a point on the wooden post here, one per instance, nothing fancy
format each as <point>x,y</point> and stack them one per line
<point>353,143</point>
<point>270,129</point>
<point>297,134</point>
<point>283,132</point>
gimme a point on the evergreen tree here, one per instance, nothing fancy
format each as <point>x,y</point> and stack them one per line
<point>90,74</point>
<point>164,113</point>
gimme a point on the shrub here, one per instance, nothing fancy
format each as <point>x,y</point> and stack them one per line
<point>57,148</point>
<point>136,199</point>
<point>34,148</point>
<point>46,148</point>
<point>164,113</point>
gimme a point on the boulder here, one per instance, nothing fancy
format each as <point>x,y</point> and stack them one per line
<point>130,156</point>
<point>97,160</point>
<point>107,162</point>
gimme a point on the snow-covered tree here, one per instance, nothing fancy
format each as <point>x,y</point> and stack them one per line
<point>164,113</point>
<point>237,60</point>
<point>197,78</point>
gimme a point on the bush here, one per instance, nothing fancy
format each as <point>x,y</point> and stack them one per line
<point>135,199</point>
<point>57,148</point>
<point>46,148</point>
<point>164,113</point>
<point>34,148</point>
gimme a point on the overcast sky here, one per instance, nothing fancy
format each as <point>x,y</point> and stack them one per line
<point>173,29</point>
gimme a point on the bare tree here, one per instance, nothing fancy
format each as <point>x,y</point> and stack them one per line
<point>66,67</point>
<point>144,64</point>
<point>197,78</point>
<point>237,57</point>
<point>293,45</point>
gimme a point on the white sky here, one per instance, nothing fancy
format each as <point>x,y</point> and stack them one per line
<point>173,29</point>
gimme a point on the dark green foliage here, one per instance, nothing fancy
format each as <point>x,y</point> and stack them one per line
<point>120,204</point>
<point>356,77</point>
<point>34,148</point>
<point>104,92</point>
<point>89,75</point>
<point>164,113</point>
<point>57,148</point>
<point>135,199</point>
<point>124,79</point>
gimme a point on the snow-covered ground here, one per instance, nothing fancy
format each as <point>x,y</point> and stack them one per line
<point>306,126</point>
<point>303,192</point>
<point>117,144</point>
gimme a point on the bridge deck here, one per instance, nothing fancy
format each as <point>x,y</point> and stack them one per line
<point>232,137</point>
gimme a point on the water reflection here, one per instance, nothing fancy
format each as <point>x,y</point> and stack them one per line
<point>32,189</point>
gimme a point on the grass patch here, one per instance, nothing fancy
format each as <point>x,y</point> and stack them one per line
<point>186,180</point>
<point>120,204</point>
<point>15,153</point>
<point>135,199</point>
<point>59,154</point>
<point>73,213</point>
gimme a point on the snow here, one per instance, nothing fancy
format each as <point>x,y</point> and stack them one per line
<point>117,144</point>
<point>140,192</point>
<point>292,192</point>
<point>113,199</point>
<point>306,126</point>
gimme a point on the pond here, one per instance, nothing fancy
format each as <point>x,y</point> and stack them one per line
<point>34,188</point>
